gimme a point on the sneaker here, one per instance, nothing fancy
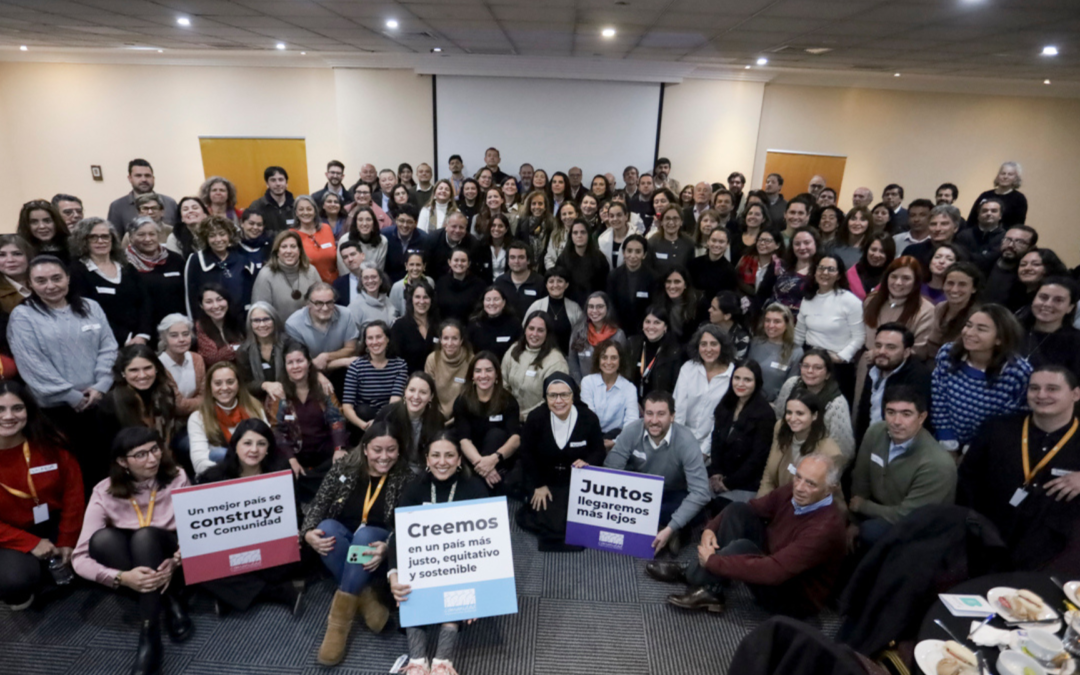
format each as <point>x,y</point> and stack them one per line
<point>417,668</point>
<point>443,668</point>
<point>22,605</point>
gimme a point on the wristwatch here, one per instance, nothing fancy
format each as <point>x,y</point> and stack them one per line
<point>116,580</point>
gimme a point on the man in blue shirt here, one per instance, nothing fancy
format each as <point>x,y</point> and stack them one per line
<point>402,238</point>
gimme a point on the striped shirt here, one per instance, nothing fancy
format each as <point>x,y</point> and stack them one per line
<point>367,385</point>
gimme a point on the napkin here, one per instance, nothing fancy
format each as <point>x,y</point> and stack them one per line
<point>988,636</point>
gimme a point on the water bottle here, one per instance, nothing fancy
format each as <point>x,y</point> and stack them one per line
<point>61,572</point>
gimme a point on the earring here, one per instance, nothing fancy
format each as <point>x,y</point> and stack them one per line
<point>459,468</point>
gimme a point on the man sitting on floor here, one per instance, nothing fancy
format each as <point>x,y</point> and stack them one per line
<point>658,446</point>
<point>899,468</point>
<point>787,546</point>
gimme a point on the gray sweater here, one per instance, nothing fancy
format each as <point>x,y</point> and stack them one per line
<point>678,461</point>
<point>61,354</point>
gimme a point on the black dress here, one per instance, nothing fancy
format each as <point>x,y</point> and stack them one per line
<point>545,464</point>
<point>495,335</point>
<point>654,366</point>
<point>409,344</point>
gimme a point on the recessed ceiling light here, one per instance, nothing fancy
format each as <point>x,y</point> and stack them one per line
<point>608,32</point>
<point>1046,81</point>
<point>23,48</point>
<point>303,53</point>
<point>392,23</point>
<point>818,50</point>
<point>183,21</point>
<point>281,45</point>
<point>1050,50</point>
<point>161,51</point>
<point>896,74</point>
<point>436,50</point>
<point>748,68</point>
<point>762,61</point>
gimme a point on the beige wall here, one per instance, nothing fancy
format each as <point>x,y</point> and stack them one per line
<point>922,140</point>
<point>384,118</point>
<point>710,128</point>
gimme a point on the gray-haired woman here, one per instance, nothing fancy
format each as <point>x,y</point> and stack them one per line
<point>161,270</point>
<point>187,368</point>
<point>100,272</point>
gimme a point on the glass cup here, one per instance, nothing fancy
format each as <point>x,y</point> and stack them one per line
<point>1072,633</point>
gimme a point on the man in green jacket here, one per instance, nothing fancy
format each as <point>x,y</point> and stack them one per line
<point>899,468</point>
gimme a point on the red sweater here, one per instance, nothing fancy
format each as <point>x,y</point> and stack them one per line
<point>806,550</point>
<point>61,488</point>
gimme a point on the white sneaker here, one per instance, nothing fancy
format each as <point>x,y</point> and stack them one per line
<point>21,607</point>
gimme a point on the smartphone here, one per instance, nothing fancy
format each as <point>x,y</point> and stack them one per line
<point>360,555</point>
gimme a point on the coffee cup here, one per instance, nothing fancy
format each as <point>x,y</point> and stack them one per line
<point>1042,645</point>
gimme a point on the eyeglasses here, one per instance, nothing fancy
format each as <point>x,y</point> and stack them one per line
<point>320,304</point>
<point>261,320</point>
<point>560,396</point>
<point>141,455</point>
<point>99,237</point>
<point>827,270</point>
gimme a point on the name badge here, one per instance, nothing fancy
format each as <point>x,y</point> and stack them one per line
<point>290,221</point>
<point>290,418</point>
<point>328,244</point>
<point>775,365</point>
<point>91,326</point>
<point>661,256</point>
<point>530,373</point>
<point>1058,473</point>
<point>529,291</point>
<point>41,513</point>
<point>578,444</point>
<point>459,380</point>
<point>235,347</point>
<point>495,418</point>
<point>791,469</point>
<point>503,338</point>
<point>586,352</point>
<point>643,294</point>
<point>266,366</point>
<point>342,478</point>
<point>105,290</point>
<point>42,469</point>
<point>876,459</point>
<point>171,274</point>
<point>1018,496</point>
<point>640,455</point>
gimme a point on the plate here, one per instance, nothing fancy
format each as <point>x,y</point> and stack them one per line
<point>1071,589</point>
<point>1014,663</point>
<point>1017,637</point>
<point>927,655</point>
<point>995,594</point>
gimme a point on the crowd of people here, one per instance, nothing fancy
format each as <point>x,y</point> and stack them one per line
<point>802,376</point>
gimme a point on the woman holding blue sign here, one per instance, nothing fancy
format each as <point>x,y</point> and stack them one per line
<point>447,479</point>
<point>348,524</point>
<point>557,436</point>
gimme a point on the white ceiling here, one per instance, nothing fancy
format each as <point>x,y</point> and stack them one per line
<point>994,40</point>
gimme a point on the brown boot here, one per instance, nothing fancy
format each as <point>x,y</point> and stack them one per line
<point>374,612</point>
<point>338,625</point>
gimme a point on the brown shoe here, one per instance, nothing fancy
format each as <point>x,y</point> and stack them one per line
<point>698,599</point>
<point>338,625</point>
<point>668,572</point>
<point>374,612</point>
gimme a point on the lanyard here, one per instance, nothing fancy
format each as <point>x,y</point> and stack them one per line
<point>645,370</point>
<point>453,489</point>
<point>149,510</point>
<point>29,479</point>
<point>1029,474</point>
<point>369,499</point>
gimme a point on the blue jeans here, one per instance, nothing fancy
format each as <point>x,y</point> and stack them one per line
<point>351,578</point>
<point>217,454</point>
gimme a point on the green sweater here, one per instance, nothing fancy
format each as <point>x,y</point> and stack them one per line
<point>925,474</point>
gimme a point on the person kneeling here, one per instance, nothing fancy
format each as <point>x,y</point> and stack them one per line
<point>657,445</point>
<point>787,546</point>
<point>129,539</point>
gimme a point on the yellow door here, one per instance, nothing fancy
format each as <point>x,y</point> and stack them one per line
<point>243,160</point>
<point>798,168</point>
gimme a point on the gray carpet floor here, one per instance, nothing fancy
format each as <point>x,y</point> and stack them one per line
<point>578,614</point>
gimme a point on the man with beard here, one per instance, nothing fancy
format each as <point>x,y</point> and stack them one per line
<point>123,210</point>
<point>1002,284</point>
<point>335,173</point>
<point>893,365</point>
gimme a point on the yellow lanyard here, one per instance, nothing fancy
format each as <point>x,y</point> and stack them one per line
<point>369,499</point>
<point>1030,474</point>
<point>149,510</point>
<point>29,478</point>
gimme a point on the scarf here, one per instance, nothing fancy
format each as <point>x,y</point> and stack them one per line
<point>596,337</point>
<point>830,391</point>
<point>229,419</point>
<point>144,263</point>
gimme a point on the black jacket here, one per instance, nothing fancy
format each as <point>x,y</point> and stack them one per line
<point>984,247</point>
<point>665,369</point>
<point>275,218</point>
<point>544,463</point>
<point>740,448</point>
<point>588,273</point>
<point>496,335</point>
<point>786,646</point>
<point>457,298</point>
<point>439,250</point>
<point>710,277</point>
<point>913,373</point>
<point>525,295</point>
<point>409,344</point>
<point>631,293</point>
<point>127,305</point>
<point>165,286</point>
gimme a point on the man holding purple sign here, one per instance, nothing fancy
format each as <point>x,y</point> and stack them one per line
<point>657,445</point>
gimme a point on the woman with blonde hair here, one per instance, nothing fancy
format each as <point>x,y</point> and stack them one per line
<point>1014,204</point>
<point>775,350</point>
<point>226,403</point>
<point>449,364</point>
<point>442,204</point>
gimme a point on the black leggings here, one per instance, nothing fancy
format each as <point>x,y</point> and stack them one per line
<point>144,547</point>
<point>20,575</point>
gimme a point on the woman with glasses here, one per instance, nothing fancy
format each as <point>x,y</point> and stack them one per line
<point>160,270</point>
<point>670,248</point>
<point>831,318</point>
<point>101,273</point>
<point>816,378</point>
<point>128,539</point>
